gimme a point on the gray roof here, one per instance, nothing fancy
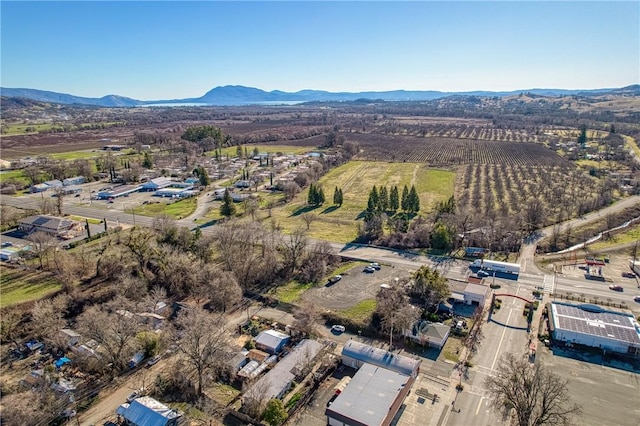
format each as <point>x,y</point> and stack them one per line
<point>596,321</point>
<point>369,395</point>
<point>271,384</point>
<point>46,221</point>
<point>430,330</point>
<point>271,338</point>
<point>479,289</point>
<point>380,357</point>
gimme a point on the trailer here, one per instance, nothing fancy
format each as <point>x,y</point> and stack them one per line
<point>495,266</point>
<point>635,266</point>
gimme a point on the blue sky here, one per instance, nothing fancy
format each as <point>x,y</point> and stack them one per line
<point>163,50</point>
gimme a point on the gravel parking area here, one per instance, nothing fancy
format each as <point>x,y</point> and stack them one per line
<point>355,286</point>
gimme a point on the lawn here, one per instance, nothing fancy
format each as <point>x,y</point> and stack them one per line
<point>13,174</point>
<point>630,235</point>
<point>452,348</point>
<point>268,149</point>
<point>356,179</point>
<point>177,209</point>
<point>291,291</point>
<point>17,286</point>
<point>88,219</point>
<point>361,312</point>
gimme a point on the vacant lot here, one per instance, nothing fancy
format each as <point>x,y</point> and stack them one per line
<point>17,285</point>
<point>356,179</point>
<point>175,209</point>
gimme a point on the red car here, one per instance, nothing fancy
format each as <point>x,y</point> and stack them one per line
<point>615,287</point>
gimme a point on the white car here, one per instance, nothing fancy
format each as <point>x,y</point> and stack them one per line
<point>338,328</point>
<point>376,266</point>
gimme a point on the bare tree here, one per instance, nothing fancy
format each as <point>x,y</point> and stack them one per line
<point>294,248</point>
<point>42,244</point>
<point>10,328</point>
<point>221,287</point>
<point>309,218</point>
<point>396,311</point>
<point>251,207</point>
<point>60,201</point>
<point>306,318</point>
<point>48,315</point>
<point>538,396</point>
<point>114,328</point>
<point>203,340</point>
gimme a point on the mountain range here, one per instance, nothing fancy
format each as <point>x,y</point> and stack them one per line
<point>242,95</point>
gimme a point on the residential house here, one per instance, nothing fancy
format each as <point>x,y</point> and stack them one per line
<point>427,333</point>
<point>146,411</point>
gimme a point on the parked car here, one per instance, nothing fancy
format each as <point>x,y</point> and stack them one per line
<point>369,270</point>
<point>153,361</point>
<point>376,266</point>
<point>636,299</point>
<point>7,244</point>
<point>335,279</point>
<point>338,328</point>
<point>628,275</point>
<point>135,394</point>
<point>615,287</point>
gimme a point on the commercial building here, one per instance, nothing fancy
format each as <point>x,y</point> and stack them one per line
<point>594,326</point>
<point>120,191</point>
<point>157,183</point>
<point>56,226</point>
<point>356,354</point>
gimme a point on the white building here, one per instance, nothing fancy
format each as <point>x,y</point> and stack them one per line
<point>594,326</point>
<point>475,294</point>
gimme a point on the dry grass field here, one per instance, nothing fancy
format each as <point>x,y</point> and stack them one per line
<point>356,179</point>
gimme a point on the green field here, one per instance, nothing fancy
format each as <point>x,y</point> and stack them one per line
<point>629,236</point>
<point>356,179</point>
<point>21,129</point>
<point>17,286</point>
<point>177,209</point>
<point>13,174</point>
<point>361,312</point>
<point>269,149</point>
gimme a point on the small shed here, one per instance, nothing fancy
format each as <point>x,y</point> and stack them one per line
<point>257,355</point>
<point>271,341</point>
<point>239,360</point>
<point>475,294</point>
<point>72,337</point>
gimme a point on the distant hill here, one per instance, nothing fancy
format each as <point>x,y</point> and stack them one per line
<point>239,95</point>
<point>63,98</point>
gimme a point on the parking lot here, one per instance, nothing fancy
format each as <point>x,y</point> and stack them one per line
<point>356,286</point>
<point>608,396</point>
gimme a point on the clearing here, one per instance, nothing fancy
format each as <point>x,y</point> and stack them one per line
<point>18,285</point>
<point>356,179</point>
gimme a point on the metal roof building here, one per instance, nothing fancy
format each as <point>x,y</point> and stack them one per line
<point>277,382</point>
<point>146,411</point>
<point>425,332</point>
<point>356,354</point>
<point>372,398</point>
<point>592,325</point>
<point>271,341</point>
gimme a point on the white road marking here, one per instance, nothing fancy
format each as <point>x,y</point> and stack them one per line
<point>479,404</point>
<point>504,330</point>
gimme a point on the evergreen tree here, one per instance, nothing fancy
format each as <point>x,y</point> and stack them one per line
<point>404,202</point>
<point>203,176</point>
<point>239,151</point>
<point>582,139</point>
<point>313,196</point>
<point>414,200</point>
<point>374,199</point>
<point>319,196</point>
<point>336,195</point>
<point>384,199</point>
<point>394,202</point>
<point>256,152</point>
<point>227,209</point>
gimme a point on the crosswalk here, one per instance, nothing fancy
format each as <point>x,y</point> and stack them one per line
<point>549,283</point>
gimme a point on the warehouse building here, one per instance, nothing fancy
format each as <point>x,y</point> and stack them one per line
<point>594,326</point>
<point>376,392</point>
